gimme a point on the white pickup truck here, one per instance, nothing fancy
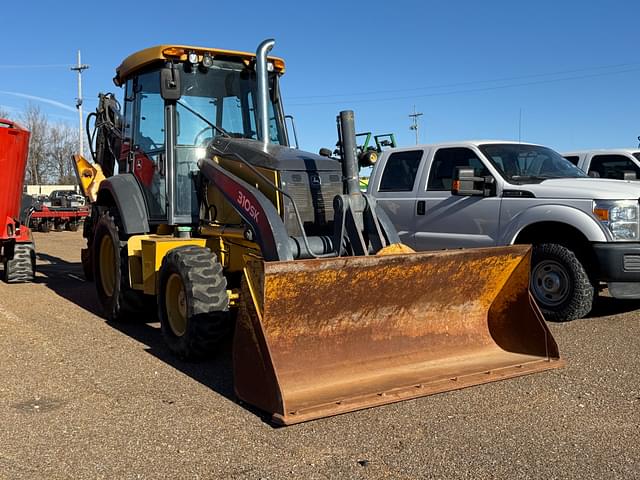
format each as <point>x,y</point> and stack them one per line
<point>619,163</point>
<point>584,231</point>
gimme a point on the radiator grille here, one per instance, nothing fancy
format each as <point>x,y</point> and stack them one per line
<point>314,201</point>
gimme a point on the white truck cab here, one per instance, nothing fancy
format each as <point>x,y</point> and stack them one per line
<point>584,231</point>
<point>619,163</point>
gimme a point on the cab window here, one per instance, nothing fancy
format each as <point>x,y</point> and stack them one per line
<point>400,171</point>
<point>445,163</point>
<point>613,166</point>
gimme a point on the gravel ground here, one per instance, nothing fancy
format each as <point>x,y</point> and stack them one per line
<point>80,398</point>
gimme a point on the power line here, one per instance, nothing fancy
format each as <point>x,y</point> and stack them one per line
<point>470,90</point>
<point>52,65</point>
<point>474,82</point>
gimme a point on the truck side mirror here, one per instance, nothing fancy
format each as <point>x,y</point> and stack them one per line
<point>629,175</point>
<point>466,183</point>
<point>170,83</point>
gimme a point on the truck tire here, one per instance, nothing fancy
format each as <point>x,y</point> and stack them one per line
<point>560,283</point>
<point>111,271</point>
<point>193,304</point>
<point>21,267</point>
<point>45,226</point>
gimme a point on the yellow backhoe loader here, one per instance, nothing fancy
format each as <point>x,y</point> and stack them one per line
<point>202,212</point>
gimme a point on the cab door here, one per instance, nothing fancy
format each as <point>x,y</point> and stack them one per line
<point>147,152</point>
<point>443,220</point>
<point>396,190</point>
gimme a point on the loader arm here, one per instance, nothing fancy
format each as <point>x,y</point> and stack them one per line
<point>254,208</point>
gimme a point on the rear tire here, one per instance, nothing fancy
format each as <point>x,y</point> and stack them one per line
<point>21,267</point>
<point>559,283</point>
<point>111,271</point>
<point>44,227</point>
<point>72,226</point>
<point>193,304</point>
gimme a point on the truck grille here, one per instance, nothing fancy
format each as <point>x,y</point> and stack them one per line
<point>631,263</point>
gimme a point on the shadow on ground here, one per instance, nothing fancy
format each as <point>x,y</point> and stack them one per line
<point>67,280</point>
<point>605,306</point>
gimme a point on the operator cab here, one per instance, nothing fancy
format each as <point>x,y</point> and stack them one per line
<point>165,132</point>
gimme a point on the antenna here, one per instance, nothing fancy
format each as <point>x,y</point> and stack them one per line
<point>520,127</point>
<point>79,68</point>
<point>414,125</point>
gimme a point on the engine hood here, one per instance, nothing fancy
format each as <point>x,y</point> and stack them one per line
<point>583,188</point>
<point>275,157</point>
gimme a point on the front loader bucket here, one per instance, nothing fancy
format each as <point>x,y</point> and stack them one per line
<point>328,336</point>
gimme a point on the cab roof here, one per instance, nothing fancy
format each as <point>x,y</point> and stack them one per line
<point>464,143</point>
<point>148,56</point>
<point>603,151</point>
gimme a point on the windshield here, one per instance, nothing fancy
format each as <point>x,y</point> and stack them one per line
<point>223,95</point>
<point>529,163</point>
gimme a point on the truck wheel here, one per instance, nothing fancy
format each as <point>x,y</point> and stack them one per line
<point>193,304</point>
<point>72,226</point>
<point>44,227</point>
<point>58,226</point>
<point>559,283</point>
<point>21,267</point>
<point>111,271</point>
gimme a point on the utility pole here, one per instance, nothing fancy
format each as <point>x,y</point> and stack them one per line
<point>414,126</point>
<point>79,68</point>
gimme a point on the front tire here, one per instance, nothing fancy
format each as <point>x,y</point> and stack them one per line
<point>559,283</point>
<point>21,267</point>
<point>193,304</point>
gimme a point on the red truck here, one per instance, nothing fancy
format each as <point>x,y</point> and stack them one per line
<point>17,250</point>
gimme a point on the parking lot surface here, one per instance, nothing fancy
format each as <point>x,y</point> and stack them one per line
<point>83,398</point>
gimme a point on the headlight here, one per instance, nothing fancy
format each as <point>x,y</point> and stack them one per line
<point>619,216</point>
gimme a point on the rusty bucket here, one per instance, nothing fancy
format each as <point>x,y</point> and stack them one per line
<point>329,336</point>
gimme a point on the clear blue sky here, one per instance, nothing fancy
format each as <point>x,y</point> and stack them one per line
<point>470,66</point>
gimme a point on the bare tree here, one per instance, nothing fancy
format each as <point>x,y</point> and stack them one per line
<point>4,113</point>
<point>38,124</point>
<point>62,145</point>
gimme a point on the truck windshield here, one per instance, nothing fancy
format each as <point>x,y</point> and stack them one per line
<point>225,95</point>
<point>529,163</point>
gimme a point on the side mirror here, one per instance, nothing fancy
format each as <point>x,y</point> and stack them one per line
<point>629,175</point>
<point>170,83</point>
<point>466,183</point>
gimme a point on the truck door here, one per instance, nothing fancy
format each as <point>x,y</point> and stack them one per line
<point>396,190</point>
<point>443,220</point>
<point>146,157</point>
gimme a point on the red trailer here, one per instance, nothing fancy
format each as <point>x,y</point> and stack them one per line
<point>46,218</point>
<point>16,242</point>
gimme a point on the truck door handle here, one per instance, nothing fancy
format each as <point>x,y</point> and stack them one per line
<point>421,208</point>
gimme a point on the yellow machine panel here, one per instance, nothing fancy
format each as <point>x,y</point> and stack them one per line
<point>147,258</point>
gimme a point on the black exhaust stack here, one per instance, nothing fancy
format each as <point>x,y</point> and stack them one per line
<point>360,227</point>
<point>347,139</point>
